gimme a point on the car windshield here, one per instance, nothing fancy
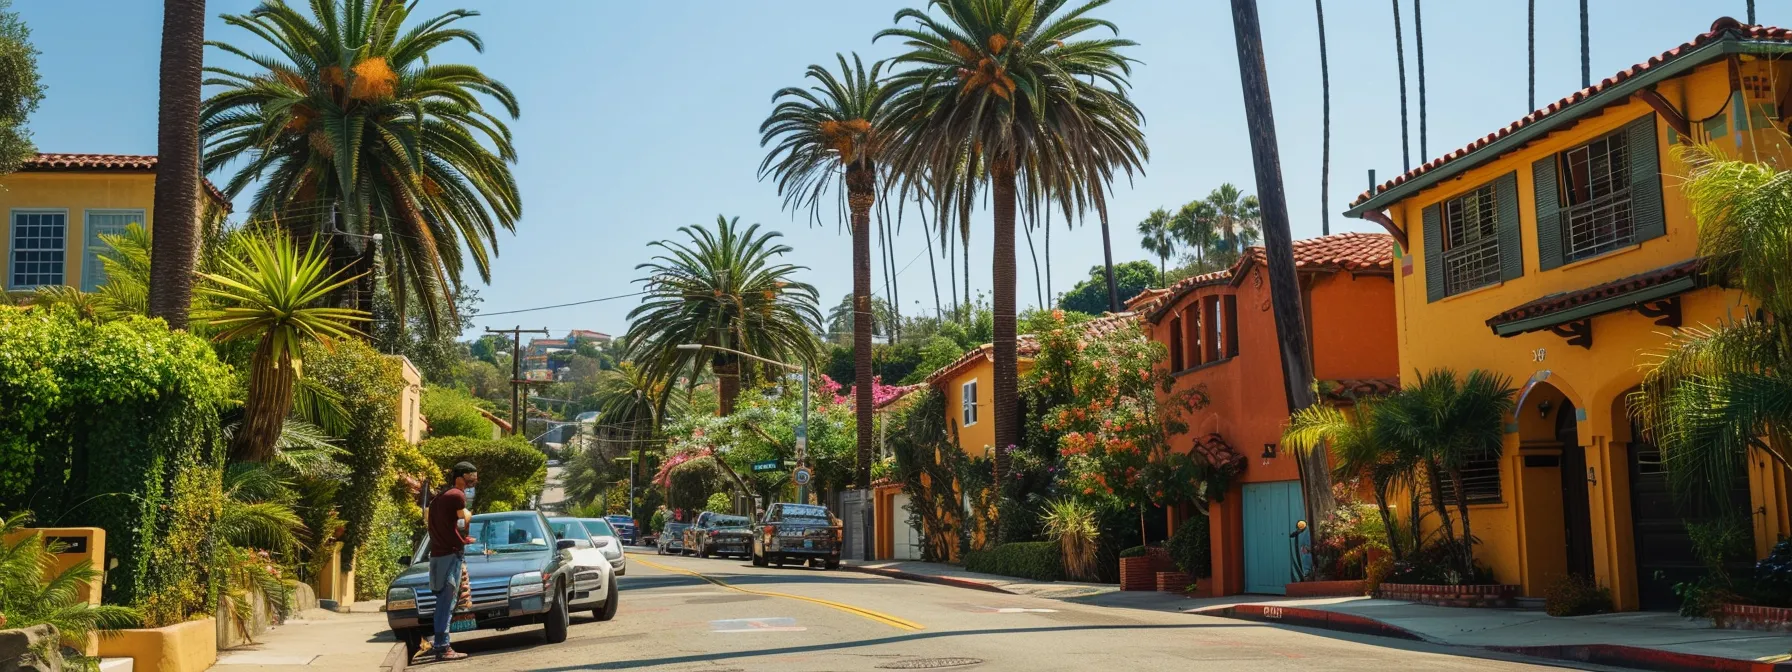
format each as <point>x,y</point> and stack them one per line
<point>676,527</point>
<point>802,513</point>
<point>598,527</point>
<point>728,521</point>
<point>620,520</point>
<point>569,528</point>
<point>507,533</point>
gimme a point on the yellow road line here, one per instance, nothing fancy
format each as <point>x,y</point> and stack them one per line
<point>883,618</point>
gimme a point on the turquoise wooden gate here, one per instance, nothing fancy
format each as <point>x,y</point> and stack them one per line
<point>1270,513</point>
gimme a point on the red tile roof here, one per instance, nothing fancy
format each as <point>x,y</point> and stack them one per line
<point>1027,347</point>
<point>1565,300</point>
<point>1723,28</point>
<point>1216,452</point>
<point>1357,253</point>
<point>108,162</point>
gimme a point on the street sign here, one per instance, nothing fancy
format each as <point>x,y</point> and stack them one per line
<point>801,475</point>
<point>763,466</point>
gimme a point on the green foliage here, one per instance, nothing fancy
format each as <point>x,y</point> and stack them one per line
<point>1091,294</point>
<point>1718,545</point>
<point>510,469</point>
<point>1072,524</point>
<point>376,560</point>
<point>370,385</point>
<point>1188,547</point>
<point>1036,560</point>
<point>20,89</point>
<point>1133,552</point>
<point>28,597</point>
<point>115,425</point>
<point>658,521</point>
<point>453,413</point>
<point>720,502</point>
<point>927,466</point>
<point>1575,595</point>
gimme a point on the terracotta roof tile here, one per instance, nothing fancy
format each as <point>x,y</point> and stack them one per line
<point>1565,300</point>
<point>1353,252</point>
<point>45,162</point>
<point>1151,309</point>
<point>1722,28</point>
<point>1216,452</point>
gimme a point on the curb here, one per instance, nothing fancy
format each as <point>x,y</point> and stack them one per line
<point>396,660</point>
<point>928,578</point>
<point>1616,655</point>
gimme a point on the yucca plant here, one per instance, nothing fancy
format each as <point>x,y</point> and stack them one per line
<point>1072,523</point>
<point>31,595</point>
<point>272,291</point>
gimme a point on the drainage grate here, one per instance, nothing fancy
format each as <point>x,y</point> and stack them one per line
<point>929,663</point>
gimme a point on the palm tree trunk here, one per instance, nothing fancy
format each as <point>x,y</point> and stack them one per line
<point>1107,252</point>
<point>1278,245</point>
<point>727,370</point>
<point>1387,518</point>
<point>1325,160</point>
<point>1400,54</point>
<point>1531,53</point>
<point>1468,537</point>
<point>1048,256</point>
<point>1586,56</point>
<point>861,188</point>
<point>1418,36</point>
<point>883,257</point>
<point>951,270</point>
<point>895,278</point>
<point>1038,289</point>
<point>932,272</point>
<point>1007,374</point>
<point>966,251</point>
<point>175,248</point>
<point>266,405</point>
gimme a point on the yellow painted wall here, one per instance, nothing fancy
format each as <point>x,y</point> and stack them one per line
<point>1452,332</point>
<point>186,647</point>
<point>76,193</point>
<point>976,440</point>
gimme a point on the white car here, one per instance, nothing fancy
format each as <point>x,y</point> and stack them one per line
<point>605,537</point>
<point>592,573</point>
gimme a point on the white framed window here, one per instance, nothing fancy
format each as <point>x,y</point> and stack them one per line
<point>967,401</point>
<point>39,248</point>
<point>108,222</point>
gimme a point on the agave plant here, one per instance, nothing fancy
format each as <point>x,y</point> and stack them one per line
<point>1071,523</point>
<point>272,291</point>
<point>31,595</point>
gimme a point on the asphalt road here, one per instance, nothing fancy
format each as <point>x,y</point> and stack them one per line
<point>716,615</point>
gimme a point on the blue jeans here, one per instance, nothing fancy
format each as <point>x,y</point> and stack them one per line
<point>444,581</point>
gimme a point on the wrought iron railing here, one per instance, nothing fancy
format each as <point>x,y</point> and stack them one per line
<point>1472,265</point>
<point>1597,226</point>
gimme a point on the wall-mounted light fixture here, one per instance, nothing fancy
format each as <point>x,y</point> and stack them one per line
<point>1543,408</point>
<point>1269,452</point>
<point>1591,480</point>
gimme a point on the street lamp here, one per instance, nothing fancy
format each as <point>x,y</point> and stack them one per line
<point>802,428</point>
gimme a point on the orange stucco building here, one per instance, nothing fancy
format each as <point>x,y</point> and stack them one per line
<point>1221,334</point>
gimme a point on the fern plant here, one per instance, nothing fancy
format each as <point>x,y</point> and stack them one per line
<point>30,594</point>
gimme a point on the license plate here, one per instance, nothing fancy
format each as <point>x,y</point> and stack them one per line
<point>463,623</point>
<point>808,543</point>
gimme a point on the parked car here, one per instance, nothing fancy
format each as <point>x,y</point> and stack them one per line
<point>625,527</point>
<point>671,539</point>
<point>589,551</point>
<point>797,533</point>
<point>719,534</point>
<point>608,542</point>
<point>519,575</point>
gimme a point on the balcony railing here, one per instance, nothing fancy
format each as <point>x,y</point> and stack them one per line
<point>1597,226</point>
<point>1472,265</point>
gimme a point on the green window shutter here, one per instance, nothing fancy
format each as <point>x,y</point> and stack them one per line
<point>1434,253</point>
<point>1511,251</point>
<point>1645,180</point>
<point>1549,216</point>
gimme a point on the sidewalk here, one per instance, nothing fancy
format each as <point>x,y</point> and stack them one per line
<point>317,639</point>
<point>1644,640</point>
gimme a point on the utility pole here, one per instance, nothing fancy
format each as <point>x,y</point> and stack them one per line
<point>516,370</point>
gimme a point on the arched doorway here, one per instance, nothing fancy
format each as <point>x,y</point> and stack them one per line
<point>1577,518</point>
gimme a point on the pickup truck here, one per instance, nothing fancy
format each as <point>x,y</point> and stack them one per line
<point>791,533</point>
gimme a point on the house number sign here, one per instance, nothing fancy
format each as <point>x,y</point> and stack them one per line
<point>1538,354</point>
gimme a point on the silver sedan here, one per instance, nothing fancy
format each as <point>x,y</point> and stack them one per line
<point>606,540</point>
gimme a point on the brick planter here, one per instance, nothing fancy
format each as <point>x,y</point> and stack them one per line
<point>1137,574</point>
<point>1349,588</point>
<point>1173,582</point>
<point>1479,595</point>
<point>1749,617</point>
<point>1203,588</point>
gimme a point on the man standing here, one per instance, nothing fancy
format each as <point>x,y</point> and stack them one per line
<point>448,522</point>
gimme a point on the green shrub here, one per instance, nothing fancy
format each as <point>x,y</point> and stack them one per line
<point>377,558</point>
<point>658,522</point>
<point>719,502</point>
<point>510,469</point>
<point>1188,548</point>
<point>452,413</point>
<point>1574,595</point>
<point>115,425</point>
<point>1133,552</point>
<point>1036,560</point>
<point>371,385</point>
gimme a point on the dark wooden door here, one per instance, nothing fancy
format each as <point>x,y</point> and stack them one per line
<point>1577,518</point>
<point>1664,554</point>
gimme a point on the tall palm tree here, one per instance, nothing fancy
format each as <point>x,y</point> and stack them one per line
<point>1400,55</point>
<point>1156,237</point>
<point>1325,160</point>
<point>1193,227</point>
<point>1449,421</point>
<point>351,127</point>
<point>1357,442</point>
<point>1418,38</point>
<point>1530,28</point>
<point>721,287</point>
<point>832,136</point>
<point>177,162</point>
<point>1716,391</point>
<point>1586,53</point>
<point>270,290</point>
<point>997,91</point>
<point>1238,220</point>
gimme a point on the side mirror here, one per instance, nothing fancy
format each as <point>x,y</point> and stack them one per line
<point>564,544</point>
<point>404,560</point>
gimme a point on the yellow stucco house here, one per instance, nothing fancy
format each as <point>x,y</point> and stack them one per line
<point>1559,251</point>
<point>57,205</point>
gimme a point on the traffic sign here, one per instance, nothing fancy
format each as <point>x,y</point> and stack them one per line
<point>763,466</point>
<point>801,475</point>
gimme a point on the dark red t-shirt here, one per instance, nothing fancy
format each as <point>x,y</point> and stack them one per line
<point>444,515</point>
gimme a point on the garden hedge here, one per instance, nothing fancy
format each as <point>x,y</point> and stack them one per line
<point>115,425</point>
<point>1188,547</point>
<point>371,385</point>
<point>452,413</point>
<point>510,469</point>
<point>1036,560</point>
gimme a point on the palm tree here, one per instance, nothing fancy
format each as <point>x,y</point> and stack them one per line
<point>1156,237</point>
<point>1357,443</point>
<point>1716,391</point>
<point>998,91</point>
<point>352,120</point>
<point>1193,227</point>
<point>721,288</point>
<point>826,135</point>
<point>1325,160</point>
<point>1236,218</point>
<point>1448,422</point>
<point>843,318</point>
<point>177,162</point>
<point>1531,53</point>
<point>1418,38</point>
<point>1400,55</point>
<point>1586,54</point>
<point>271,291</point>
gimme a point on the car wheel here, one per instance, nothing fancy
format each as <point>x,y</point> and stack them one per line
<point>832,563</point>
<point>702,551</point>
<point>623,571</point>
<point>758,560</point>
<point>557,620</point>
<point>775,560</point>
<point>608,611</point>
<point>413,642</point>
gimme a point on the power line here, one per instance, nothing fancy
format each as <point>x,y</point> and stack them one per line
<point>561,305</point>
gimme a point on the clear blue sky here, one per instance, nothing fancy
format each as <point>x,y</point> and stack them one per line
<point>642,117</point>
